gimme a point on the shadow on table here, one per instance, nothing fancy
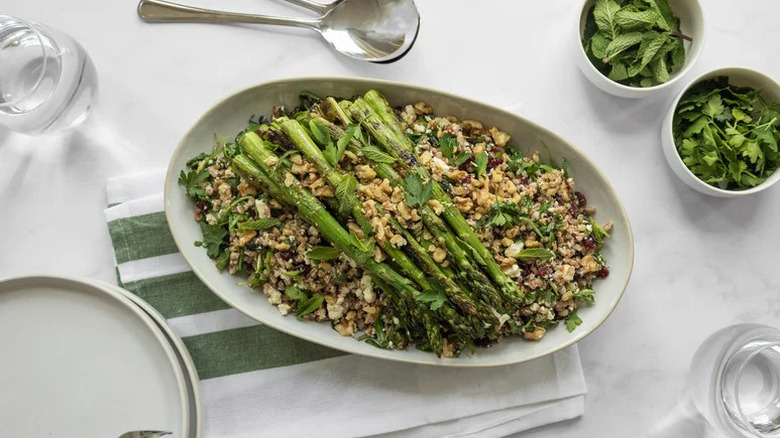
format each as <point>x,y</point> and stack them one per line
<point>683,420</point>
<point>712,213</point>
<point>626,115</point>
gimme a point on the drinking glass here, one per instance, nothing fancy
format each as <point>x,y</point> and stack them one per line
<point>735,380</point>
<point>47,81</point>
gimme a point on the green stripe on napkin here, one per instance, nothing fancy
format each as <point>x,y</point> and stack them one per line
<point>141,237</point>
<point>182,294</point>
<point>179,294</point>
<point>250,349</point>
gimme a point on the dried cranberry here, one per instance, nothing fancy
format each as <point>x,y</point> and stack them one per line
<point>603,273</point>
<point>581,200</point>
<point>202,207</point>
<point>589,244</point>
<point>574,211</point>
<point>524,181</point>
<point>467,179</point>
<point>542,272</point>
<point>465,165</point>
<point>494,162</point>
<point>498,150</point>
<point>302,268</point>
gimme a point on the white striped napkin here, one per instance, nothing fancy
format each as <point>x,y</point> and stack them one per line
<point>259,382</point>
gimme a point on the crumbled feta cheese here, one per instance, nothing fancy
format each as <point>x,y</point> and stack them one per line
<point>514,249</point>
<point>513,271</point>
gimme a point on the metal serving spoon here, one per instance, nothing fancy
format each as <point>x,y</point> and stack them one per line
<point>370,30</point>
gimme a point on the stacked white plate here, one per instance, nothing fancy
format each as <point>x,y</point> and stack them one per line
<point>84,358</point>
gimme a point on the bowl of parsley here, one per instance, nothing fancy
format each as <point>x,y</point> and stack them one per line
<point>634,48</point>
<point>721,133</point>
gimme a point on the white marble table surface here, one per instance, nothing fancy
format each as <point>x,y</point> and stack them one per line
<point>701,263</point>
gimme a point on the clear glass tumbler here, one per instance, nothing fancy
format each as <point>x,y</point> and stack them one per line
<point>47,81</point>
<point>735,380</point>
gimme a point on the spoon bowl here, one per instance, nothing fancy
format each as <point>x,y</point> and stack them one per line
<point>369,30</point>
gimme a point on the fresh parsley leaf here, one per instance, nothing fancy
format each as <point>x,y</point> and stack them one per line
<point>310,305</point>
<point>724,136</point>
<point>597,232</point>
<point>417,192</point>
<point>323,253</point>
<point>260,224</point>
<point>584,295</point>
<point>435,296</point>
<point>572,321</point>
<point>213,238</point>
<point>190,181</point>
<point>448,144</point>
<point>196,160</point>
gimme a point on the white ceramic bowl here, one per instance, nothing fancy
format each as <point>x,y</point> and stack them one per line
<point>230,116</point>
<point>691,24</point>
<point>741,77</point>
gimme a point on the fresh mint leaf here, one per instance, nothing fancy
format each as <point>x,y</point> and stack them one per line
<point>604,14</point>
<point>629,19</point>
<point>634,42</point>
<point>346,194</point>
<point>480,163</point>
<point>461,158</point>
<point>323,253</point>
<point>294,292</point>
<point>621,43</point>
<point>310,305</point>
<point>535,253</point>
<point>320,133</point>
<point>417,192</point>
<point>260,224</point>
<point>374,154</point>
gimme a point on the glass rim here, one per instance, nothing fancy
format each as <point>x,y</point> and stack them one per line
<point>42,73</point>
<point>747,424</point>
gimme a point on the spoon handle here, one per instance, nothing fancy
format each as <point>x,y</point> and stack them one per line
<point>312,5</point>
<point>162,11</point>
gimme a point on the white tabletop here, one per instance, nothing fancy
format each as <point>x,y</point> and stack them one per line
<point>701,263</point>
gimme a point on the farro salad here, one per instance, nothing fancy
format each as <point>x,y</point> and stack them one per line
<point>398,226</point>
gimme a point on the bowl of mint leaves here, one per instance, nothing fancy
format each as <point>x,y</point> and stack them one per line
<point>722,132</point>
<point>632,48</point>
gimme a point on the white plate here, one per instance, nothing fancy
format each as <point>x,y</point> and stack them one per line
<point>183,356</point>
<point>230,116</point>
<point>78,360</point>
